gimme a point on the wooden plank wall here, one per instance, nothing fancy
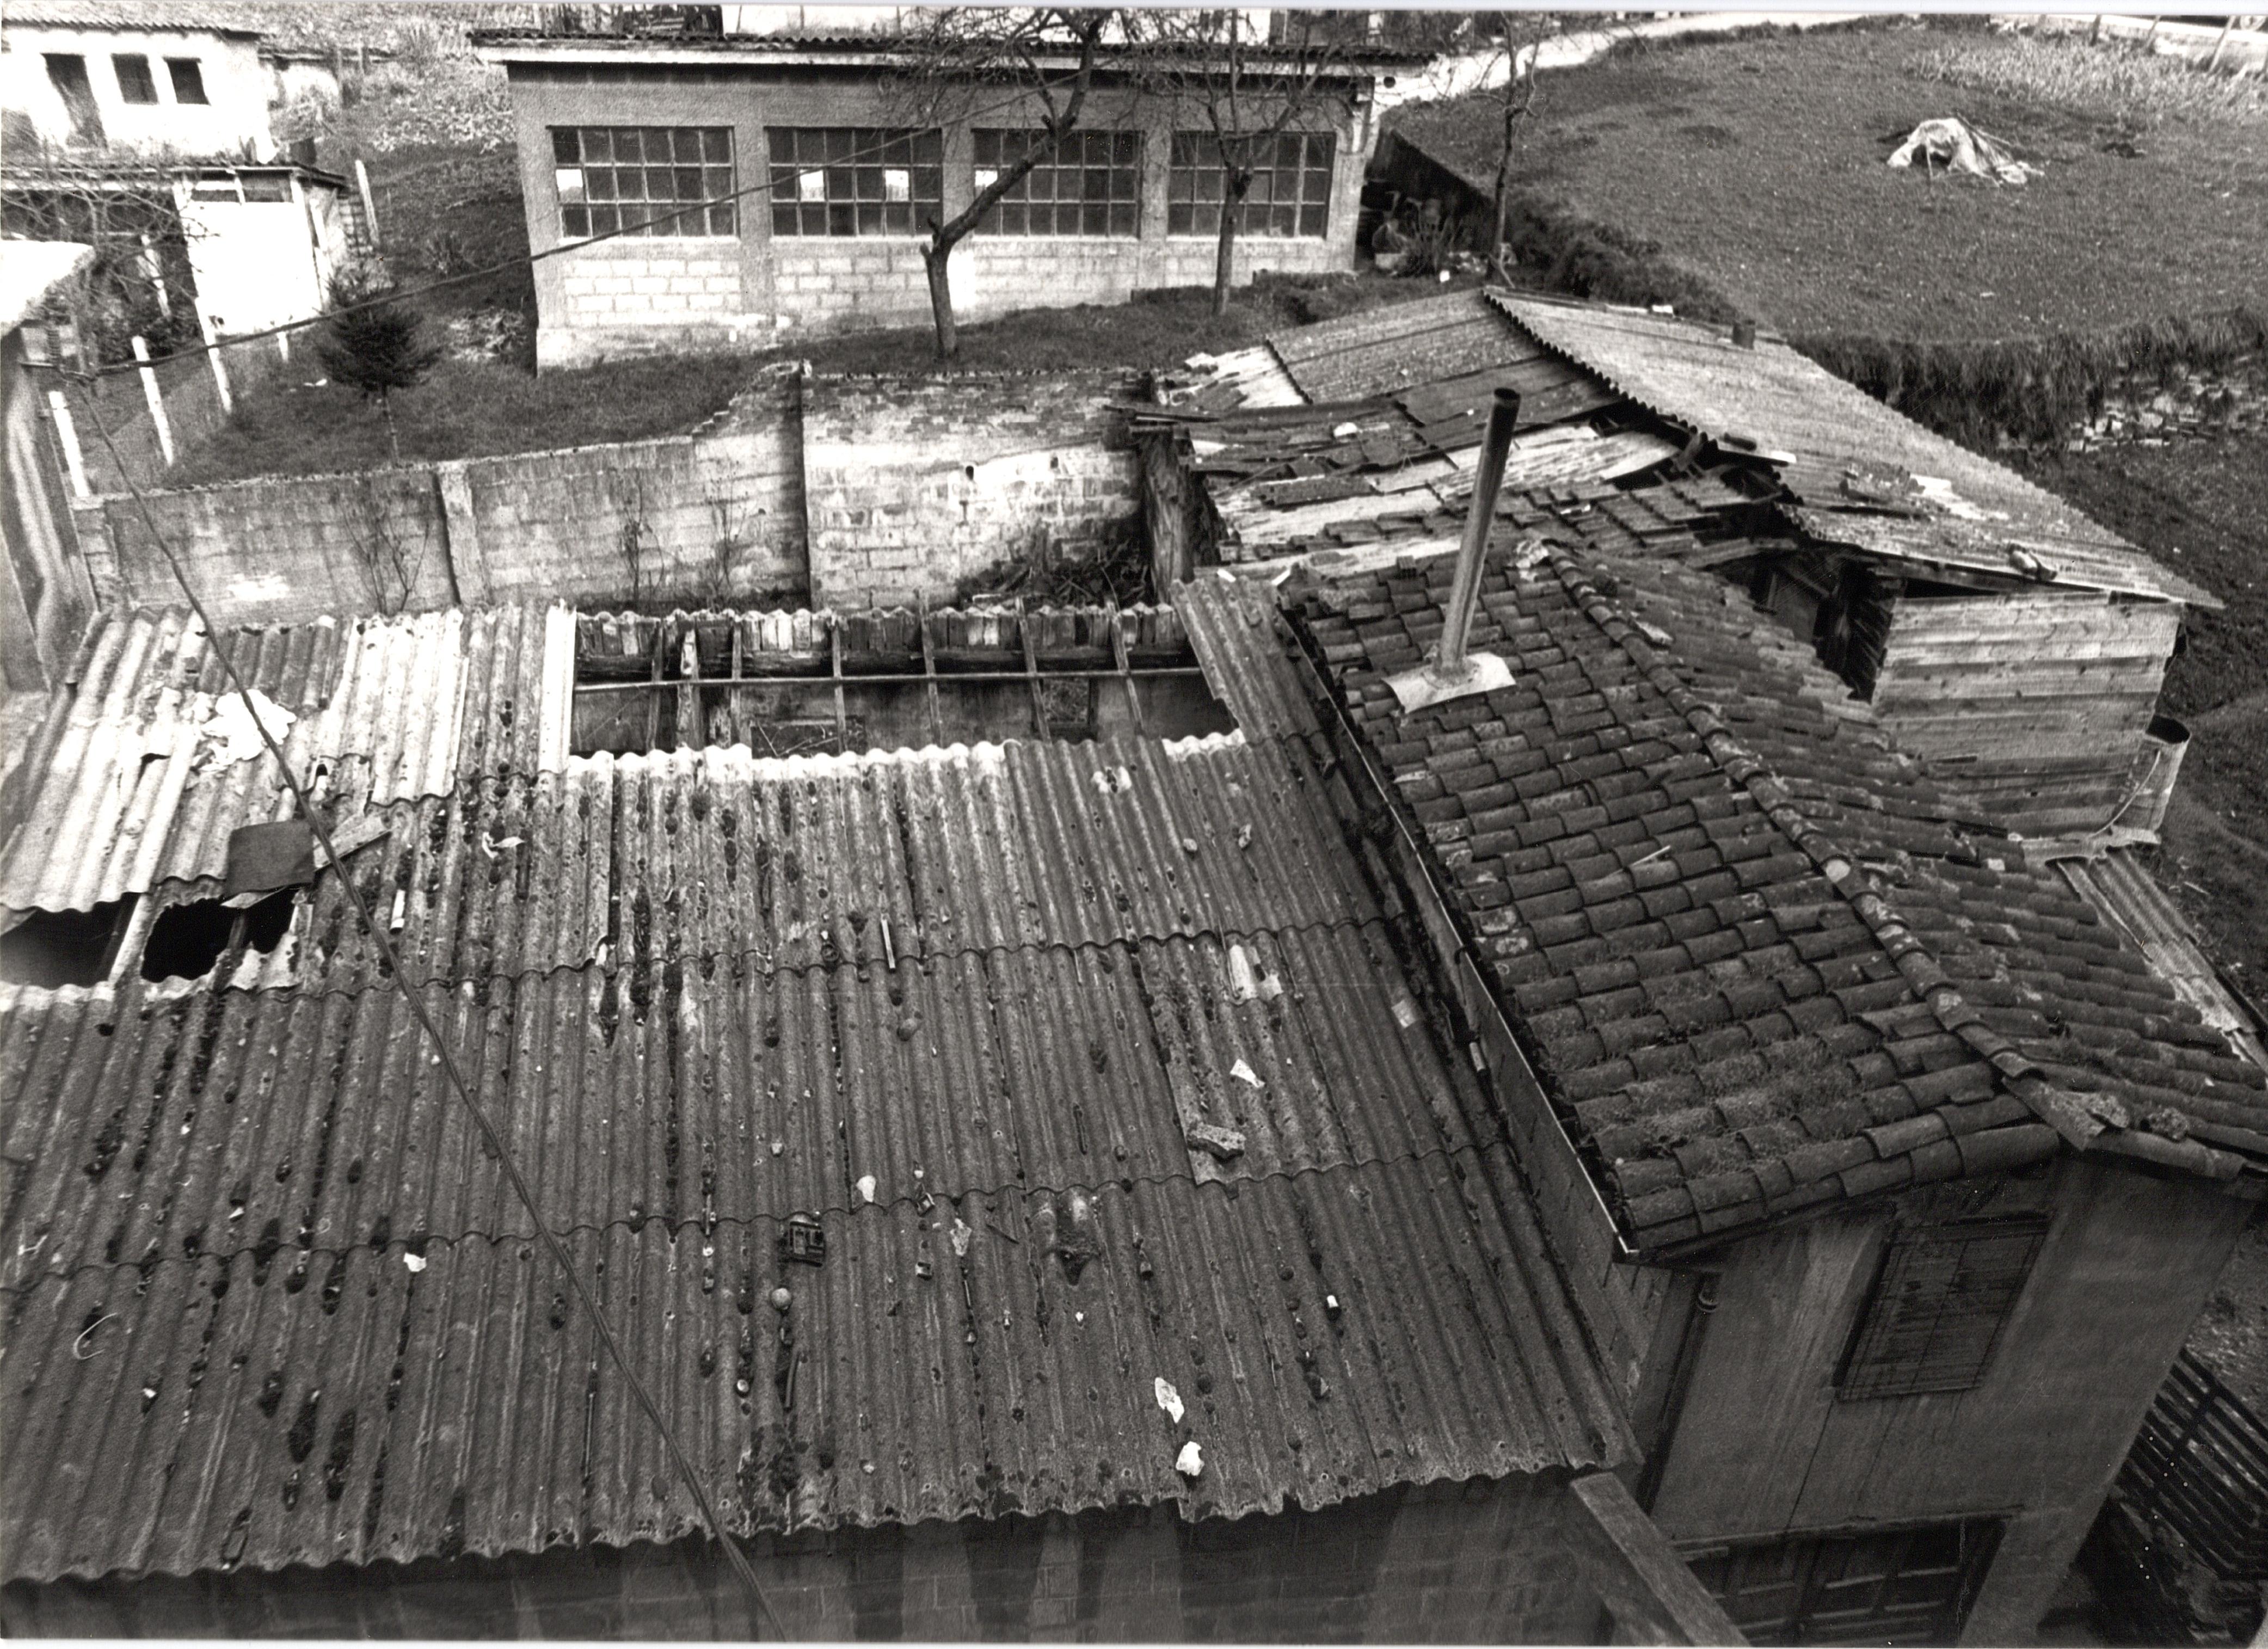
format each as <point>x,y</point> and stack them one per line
<point>2032,705</point>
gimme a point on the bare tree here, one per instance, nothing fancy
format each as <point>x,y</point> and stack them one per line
<point>1519,37</point>
<point>959,58</point>
<point>1250,91</point>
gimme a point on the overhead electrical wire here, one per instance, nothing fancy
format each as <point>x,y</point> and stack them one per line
<point>391,964</point>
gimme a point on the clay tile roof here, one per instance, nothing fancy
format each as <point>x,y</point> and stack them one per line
<point>1751,949</point>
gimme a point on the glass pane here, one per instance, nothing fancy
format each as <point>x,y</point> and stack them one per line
<point>720,221</point>
<point>605,220</point>
<point>576,222</point>
<point>626,145</point>
<point>688,180</point>
<point>598,145</point>
<point>897,184</point>
<point>599,181</point>
<point>716,144</point>
<point>563,145</point>
<point>811,186</point>
<point>569,180</point>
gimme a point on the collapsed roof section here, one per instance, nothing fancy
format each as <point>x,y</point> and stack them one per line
<point>1757,958</point>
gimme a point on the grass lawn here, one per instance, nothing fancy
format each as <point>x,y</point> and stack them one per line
<point>1757,165</point>
<point>471,407</point>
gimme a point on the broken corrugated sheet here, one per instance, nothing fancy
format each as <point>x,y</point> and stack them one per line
<point>791,862</point>
<point>1764,963</point>
<point>1241,644</point>
<point>132,792</point>
<point>1379,350</point>
<point>1836,448</point>
<point>2117,884</point>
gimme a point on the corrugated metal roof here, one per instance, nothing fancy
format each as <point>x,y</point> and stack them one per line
<point>1835,445</point>
<point>1241,642</point>
<point>129,790</point>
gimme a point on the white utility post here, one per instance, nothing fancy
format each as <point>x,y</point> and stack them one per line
<point>67,434</point>
<point>219,367</point>
<point>157,400</point>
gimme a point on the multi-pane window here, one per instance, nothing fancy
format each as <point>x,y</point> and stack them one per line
<point>134,84</point>
<point>1938,1306</point>
<point>1092,185</point>
<point>855,180</point>
<point>188,80</point>
<point>643,179</point>
<point>1290,192</point>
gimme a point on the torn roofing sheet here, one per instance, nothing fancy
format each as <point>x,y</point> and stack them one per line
<point>1760,966</point>
<point>127,787</point>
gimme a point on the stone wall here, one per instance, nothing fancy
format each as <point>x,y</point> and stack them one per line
<point>912,485</point>
<point>1452,1563</point>
<point>709,517</point>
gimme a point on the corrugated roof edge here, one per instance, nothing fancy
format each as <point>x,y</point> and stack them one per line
<point>868,45</point>
<point>1509,304</point>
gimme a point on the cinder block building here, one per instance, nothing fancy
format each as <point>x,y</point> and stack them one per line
<point>837,186</point>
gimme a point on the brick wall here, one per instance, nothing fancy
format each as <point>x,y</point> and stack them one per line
<point>650,297</point>
<point>1448,1563</point>
<point>912,485</point>
<point>717,516</point>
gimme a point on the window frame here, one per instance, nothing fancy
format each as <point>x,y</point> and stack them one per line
<point>796,204</point>
<point>1816,1567</point>
<point>1014,214</point>
<point>183,94</point>
<point>81,108</point>
<point>1193,186</point>
<point>1917,1274</point>
<point>598,150</point>
<point>136,65</point>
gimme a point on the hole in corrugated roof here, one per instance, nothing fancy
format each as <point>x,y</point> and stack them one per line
<point>53,949</point>
<point>187,940</point>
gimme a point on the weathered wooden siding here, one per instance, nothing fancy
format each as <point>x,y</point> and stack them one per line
<point>2036,704</point>
<point>1763,1445</point>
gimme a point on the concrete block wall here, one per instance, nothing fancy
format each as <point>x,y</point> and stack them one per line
<point>644,296</point>
<point>1450,1563</point>
<point>912,485</point>
<point>278,551</point>
<point>714,517</point>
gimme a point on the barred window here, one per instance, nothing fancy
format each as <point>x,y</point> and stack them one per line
<point>135,83</point>
<point>1091,186</point>
<point>854,180</point>
<point>1290,192</point>
<point>617,178</point>
<point>1938,1304</point>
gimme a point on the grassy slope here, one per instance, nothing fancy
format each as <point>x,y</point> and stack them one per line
<point>1758,164</point>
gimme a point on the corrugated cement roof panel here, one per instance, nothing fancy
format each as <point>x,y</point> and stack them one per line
<point>143,776</point>
<point>1377,350</point>
<point>225,1190</point>
<point>1239,635</point>
<point>1832,435</point>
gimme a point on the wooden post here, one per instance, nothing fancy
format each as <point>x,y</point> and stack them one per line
<point>219,367</point>
<point>66,433</point>
<point>155,397</point>
<point>284,346</point>
<point>1624,1557</point>
<point>369,201</point>
<point>1165,510</point>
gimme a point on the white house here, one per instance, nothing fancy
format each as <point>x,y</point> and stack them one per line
<point>146,76</point>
